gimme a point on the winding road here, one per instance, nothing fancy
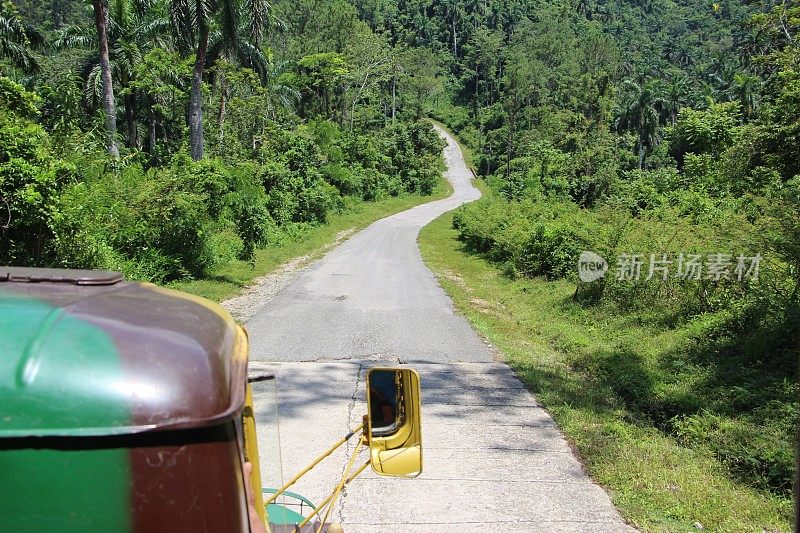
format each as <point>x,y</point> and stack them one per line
<point>494,460</point>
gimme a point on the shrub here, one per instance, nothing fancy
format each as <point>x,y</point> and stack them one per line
<point>31,179</point>
<point>163,223</point>
<point>532,239</point>
<point>349,182</point>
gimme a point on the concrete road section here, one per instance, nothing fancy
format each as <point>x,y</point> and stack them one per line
<point>493,458</point>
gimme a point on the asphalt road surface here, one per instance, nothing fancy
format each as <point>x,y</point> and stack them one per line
<point>493,458</point>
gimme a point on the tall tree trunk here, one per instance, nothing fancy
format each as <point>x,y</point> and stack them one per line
<point>195,119</point>
<point>512,131</point>
<point>151,128</point>
<point>100,22</point>
<point>641,155</point>
<point>152,136</point>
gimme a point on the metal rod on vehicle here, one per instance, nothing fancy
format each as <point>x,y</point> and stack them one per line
<point>312,465</point>
<point>340,485</point>
<point>329,498</point>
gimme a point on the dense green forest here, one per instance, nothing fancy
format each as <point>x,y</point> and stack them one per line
<point>163,138</point>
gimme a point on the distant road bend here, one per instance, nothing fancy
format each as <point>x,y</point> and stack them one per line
<point>493,458</point>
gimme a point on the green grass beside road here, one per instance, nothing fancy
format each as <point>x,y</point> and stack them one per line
<point>656,483</point>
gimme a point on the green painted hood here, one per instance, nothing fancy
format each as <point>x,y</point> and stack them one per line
<point>83,359</point>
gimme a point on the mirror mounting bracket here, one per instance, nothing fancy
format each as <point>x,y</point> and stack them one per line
<point>365,434</point>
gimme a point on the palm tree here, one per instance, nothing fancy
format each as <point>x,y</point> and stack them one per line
<point>235,46</point>
<point>582,7</point>
<point>638,112</point>
<point>683,55</point>
<point>453,13</point>
<point>129,32</point>
<point>705,96</point>
<point>674,95</point>
<point>193,21</point>
<point>17,40</point>
<point>280,93</point>
<point>745,90</point>
<point>101,24</point>
<point>476,12</point>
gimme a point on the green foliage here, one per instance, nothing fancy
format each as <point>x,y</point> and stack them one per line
<point>720,368</point>
<point>30,179</point>
<point>415,154</point>
<point>15,99</point>
<point>530,239</point>
<point>621,127</point>
<point>17,40</point>
<point>182,219</point>
<point>641,128</point>
<point>165,223</point>
<point>708,131</point>
<point>577,358</point>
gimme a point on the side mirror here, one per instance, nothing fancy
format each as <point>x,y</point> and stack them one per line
<point>394,425</point>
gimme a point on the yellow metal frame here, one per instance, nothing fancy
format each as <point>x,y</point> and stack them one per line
<point>346,478</point>
<point>314,463</point>
<point>251,437</point>
<point>251,453</point>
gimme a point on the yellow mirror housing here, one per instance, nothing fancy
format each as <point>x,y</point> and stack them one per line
<point>394,421</point>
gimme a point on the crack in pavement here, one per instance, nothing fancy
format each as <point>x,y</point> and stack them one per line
<point>350,408</point>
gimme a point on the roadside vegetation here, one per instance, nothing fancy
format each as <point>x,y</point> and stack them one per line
<point>176,145</point>
<point>585,363</point>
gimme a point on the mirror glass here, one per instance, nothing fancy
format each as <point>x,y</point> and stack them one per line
<point>394,421</point>
<point>385,402</point>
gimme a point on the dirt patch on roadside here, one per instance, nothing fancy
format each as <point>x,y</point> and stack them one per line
<point>455,278</point>
<point>264,288</point>
<point>486,307</point>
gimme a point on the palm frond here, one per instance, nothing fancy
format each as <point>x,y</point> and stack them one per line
<point>182,16</point>
<point>278,24</point>
<point>154,29</point>
<point>15,43</point>
<point>141,7</point>
<point>126,56</point>
<point>204,12</point>
<point>250,56</point>
<point>93,87</point>
<point>120,14</point>
<point>229,27</point>
<point>258,17</point>
<point>19,55</point>
<point>216,47</point>
<point>75,37</point>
